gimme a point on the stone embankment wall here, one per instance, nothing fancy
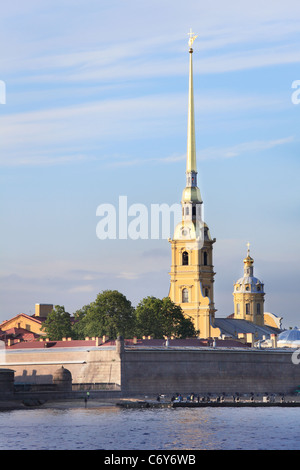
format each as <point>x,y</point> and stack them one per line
<point>209,371</point>
<point>145,371</point>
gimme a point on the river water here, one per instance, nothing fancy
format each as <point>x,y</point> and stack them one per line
<point>114,428</point>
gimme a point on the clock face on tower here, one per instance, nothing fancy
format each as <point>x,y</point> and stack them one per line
<point>185,232</point>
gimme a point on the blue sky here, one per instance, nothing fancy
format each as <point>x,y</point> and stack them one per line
<point>96,108</point>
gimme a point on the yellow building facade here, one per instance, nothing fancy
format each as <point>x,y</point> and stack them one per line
<point>23,321</point>
<point>192,271</point>
<point>248,295</point>
<point>27,322</point>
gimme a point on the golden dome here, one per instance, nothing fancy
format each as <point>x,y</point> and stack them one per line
<point>248,261</point>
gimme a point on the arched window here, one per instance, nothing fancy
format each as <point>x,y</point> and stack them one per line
<point>206,292</point>
<point>205,258</point>
<point>185,258</point>
<point>185,295</point>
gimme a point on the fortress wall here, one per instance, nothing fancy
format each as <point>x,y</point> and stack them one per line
<point>209,371</point>
<point>86,365</point>
<point>152,371</point>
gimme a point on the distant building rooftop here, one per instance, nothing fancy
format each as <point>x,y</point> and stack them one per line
<point>232,327</point>
<point>134,343</point>
<point>289,338</point>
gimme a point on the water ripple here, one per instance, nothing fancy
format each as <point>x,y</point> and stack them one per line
<point>111,428</point>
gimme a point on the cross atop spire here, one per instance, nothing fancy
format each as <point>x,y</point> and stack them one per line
<point>248,250</point>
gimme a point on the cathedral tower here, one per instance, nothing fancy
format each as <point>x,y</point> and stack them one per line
<point>248,295</point>
<point>192,271</point>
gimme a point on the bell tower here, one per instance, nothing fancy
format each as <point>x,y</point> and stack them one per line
<point>192,271</point>
<point>248,295</point>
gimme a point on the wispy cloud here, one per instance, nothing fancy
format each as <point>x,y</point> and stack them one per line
<point>211,153</point>
<point>85,288</point>
<point>125,63</point>
<point>246,60</point>
<point>128,275</point>
<point>220,49</point>
<point>242,148</point>
<point>71,134</point>
<point>43,159</point>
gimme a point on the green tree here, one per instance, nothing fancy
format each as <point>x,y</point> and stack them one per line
<point>57,324</point>
<point>111,314</point>
<point>162,317</point>
<point>77,327</point>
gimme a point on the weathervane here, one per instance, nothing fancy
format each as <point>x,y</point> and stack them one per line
<point>192,37</point>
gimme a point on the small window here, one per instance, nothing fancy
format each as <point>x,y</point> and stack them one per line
<point>185,295</point>
<point>194,211</point>
<point>247,309</point>
<point>206,292</point>
<point>205,258</point>
<point>237,309</point>
<point>185,258</point>
<point>187,210</point>
<point>258,309</point>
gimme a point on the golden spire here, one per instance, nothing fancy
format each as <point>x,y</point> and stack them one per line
<point>191,193</point>
<point>191,140</point>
